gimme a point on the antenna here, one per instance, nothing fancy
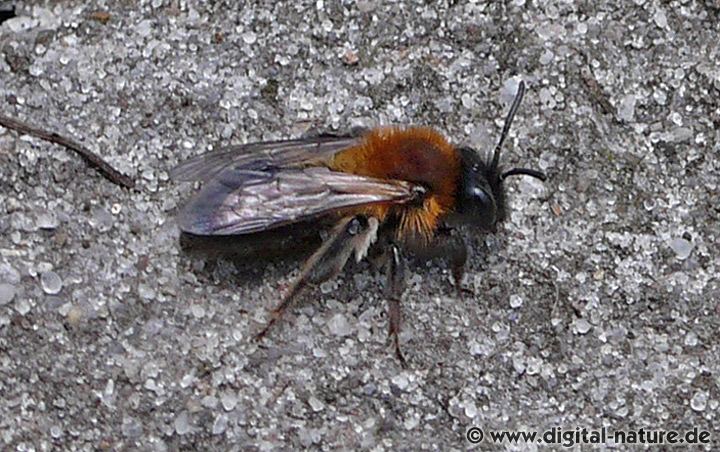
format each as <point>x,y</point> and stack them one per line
<point>526,171</point>
<point>508,123</point>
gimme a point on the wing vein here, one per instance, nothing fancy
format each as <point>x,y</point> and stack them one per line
<point>246,201</point>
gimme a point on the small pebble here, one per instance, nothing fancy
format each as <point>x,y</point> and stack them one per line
<point>220,425</point>
<point>401,381</point>
<point>182,423</point>
<point>316,404</point>
<point>339,326</point>
<point>51,283</point>
<point>7,293</point>
<point>582,326</point>
<point>699,401</point>
<point>681,247</point>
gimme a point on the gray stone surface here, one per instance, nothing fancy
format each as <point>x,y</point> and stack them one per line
<point>595,305</point>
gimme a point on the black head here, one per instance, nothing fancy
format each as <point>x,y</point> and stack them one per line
<point>481,195</point>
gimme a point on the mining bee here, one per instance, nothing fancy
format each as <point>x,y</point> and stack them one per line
<point>391,190</point>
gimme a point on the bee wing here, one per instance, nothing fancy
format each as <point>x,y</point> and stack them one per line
<point>246,201</point>
<point>261,156</point>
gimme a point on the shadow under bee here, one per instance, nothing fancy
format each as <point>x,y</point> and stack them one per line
<point>251,253</point>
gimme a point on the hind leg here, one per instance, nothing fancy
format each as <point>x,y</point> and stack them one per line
<point>395,287</point>
<point>350,234</point>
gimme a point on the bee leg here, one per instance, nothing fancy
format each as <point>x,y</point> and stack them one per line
<point>452,248</point>
<point>457,255</point>
<point>394,290</point>
<point>350,234</point>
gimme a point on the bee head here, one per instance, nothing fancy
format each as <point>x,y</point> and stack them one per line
<point>481,195</point>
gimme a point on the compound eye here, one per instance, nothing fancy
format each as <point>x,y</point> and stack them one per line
<point>484,207</point>
<point>483,198</point>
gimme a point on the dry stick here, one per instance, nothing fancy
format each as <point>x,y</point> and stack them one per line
<point>94,160</point>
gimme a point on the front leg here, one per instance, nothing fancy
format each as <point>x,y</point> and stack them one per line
<point>394,290</point>
<point>452,248</point>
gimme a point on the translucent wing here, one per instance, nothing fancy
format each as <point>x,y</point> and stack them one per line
<point>261,156</point>
<point>246,201</point>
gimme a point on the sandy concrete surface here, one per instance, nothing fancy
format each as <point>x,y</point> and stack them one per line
<point>595,305</point>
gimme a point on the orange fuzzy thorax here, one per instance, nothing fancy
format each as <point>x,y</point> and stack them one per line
<point>418,154</point>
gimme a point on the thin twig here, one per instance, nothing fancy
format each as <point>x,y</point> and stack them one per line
<point>91,158</point>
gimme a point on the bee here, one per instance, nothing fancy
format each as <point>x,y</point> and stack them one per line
<point>392,190</point>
